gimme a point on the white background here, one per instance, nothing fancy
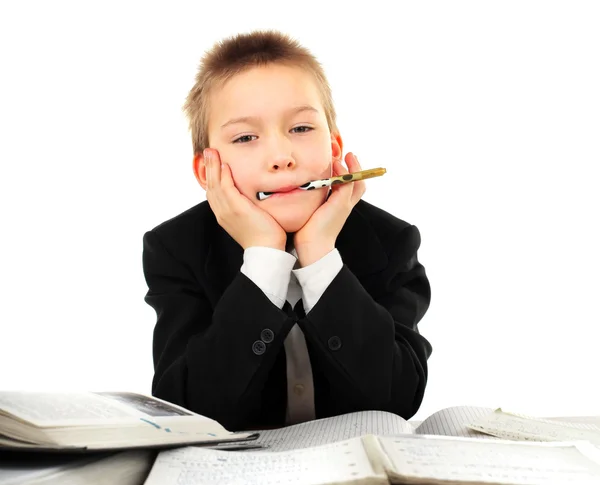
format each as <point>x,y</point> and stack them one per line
<point>486,115</point>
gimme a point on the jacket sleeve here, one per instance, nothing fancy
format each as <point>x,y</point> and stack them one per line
<point>213,361</point>
<point>367,344</point>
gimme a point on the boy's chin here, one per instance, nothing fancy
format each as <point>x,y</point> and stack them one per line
<point>293,217</point>
<point>291,224</point>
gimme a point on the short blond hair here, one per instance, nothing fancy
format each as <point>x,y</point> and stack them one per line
<point>236,54</point>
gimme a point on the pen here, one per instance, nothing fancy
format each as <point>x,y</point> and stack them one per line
<point>339,179</point>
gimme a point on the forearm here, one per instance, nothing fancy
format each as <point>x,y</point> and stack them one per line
<point>212,358</point>
<point>369,358</point>
<point>220,371</point>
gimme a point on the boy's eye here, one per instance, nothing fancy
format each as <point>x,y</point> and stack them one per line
<point>244,139</point>
<point>302,129</point>
<point>248,138</point>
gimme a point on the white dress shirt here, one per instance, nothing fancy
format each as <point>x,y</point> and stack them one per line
<point>273,272</point>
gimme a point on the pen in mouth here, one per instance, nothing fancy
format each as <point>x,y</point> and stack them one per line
<point>318,184</point>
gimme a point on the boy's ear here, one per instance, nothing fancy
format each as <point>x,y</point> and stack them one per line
<point>336,146</point>
<point>200,170</point>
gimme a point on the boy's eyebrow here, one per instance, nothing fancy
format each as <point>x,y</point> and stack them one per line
<point>249,119</point>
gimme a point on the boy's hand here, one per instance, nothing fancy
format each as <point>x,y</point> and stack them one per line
<point>248,224</point>
<point>318,236</point>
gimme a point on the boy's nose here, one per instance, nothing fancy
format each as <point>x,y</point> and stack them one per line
<point>282,163</point>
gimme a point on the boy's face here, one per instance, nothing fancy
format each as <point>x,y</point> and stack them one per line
<point>269,125</point>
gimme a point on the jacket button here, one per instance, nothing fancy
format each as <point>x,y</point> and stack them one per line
<point>267,335</point>
<point>335,343</point>
<point>259,347</point>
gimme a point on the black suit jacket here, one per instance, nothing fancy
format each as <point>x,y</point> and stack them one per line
<point>365,349</point>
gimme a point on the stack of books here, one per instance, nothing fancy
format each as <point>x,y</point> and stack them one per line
<point>133,439</point>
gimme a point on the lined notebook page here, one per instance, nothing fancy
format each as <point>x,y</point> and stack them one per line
<point>595,420</point>
<point>330,430</point>
<point>440,460</point>
<point>454,421</point>
<point>518,427</point>
<point>344,462</point>
<point>590,423</point>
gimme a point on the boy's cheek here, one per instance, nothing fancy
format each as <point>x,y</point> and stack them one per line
<point>327,160</point>
<point>242,180</point>
<point>320,198</point>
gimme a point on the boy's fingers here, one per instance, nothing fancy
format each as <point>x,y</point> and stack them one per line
<point>205,162</point>
<point>215,162</point>
<point>338,168</point>
<point>213,169</point>
<point>226,176</point>
<point>229,192</point>
<point>230,196</point>
<point>344,190</point>
<point>352,162</point>
<point>359,187</point>
<point>210,180</point>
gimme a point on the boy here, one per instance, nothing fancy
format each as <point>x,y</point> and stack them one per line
<point>297,307</point>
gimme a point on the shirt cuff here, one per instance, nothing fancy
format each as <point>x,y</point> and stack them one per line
<point>315,278</point>
<point>270,270</point>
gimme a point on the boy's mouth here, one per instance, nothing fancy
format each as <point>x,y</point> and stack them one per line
<point>280,191</point>
<point>289,188</point>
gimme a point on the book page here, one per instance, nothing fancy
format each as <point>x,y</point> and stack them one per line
<point>437,459</point>
<point>102,421</point>
<point>518,427</point>
<point>580,422</point>
<point>127,467</point>
<point>343,462</point>
<point>454,421</point>
<point>330,430</point>
<point>72,408</point>
<point>595,420</point>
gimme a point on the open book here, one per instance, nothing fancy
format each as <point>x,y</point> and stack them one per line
<point>102,421</point>
<point>457,421</point>
<point>452,421</point>
<point>381,447</point>
<point>407,459</point>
